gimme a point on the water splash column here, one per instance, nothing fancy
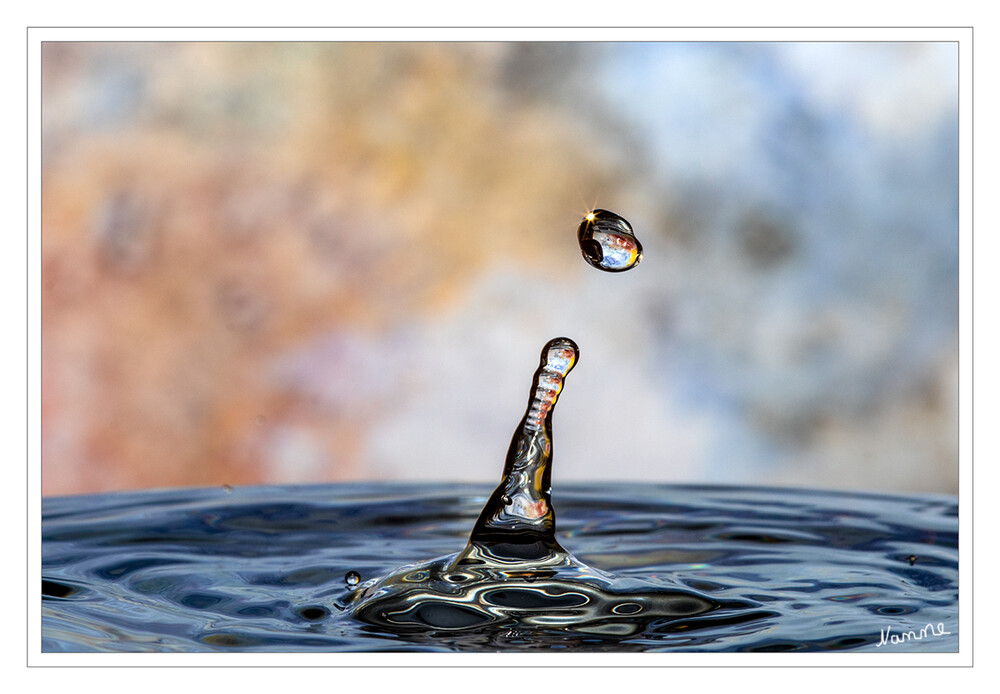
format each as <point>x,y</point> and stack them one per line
<point>518,522</point>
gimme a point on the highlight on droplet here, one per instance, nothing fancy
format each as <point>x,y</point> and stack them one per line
<point>608,242</point>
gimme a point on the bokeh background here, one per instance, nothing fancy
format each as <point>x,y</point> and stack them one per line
<point>274,263</point>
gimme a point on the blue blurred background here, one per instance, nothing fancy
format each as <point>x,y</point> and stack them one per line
<point>287,262</point>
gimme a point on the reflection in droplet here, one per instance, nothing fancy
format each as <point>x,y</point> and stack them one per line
<point>607,242</point>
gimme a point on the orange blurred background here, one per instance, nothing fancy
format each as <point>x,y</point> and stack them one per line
<point>277,263</point>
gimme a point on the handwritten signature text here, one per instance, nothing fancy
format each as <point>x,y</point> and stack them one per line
<point>929,630</point>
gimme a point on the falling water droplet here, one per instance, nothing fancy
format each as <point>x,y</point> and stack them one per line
<point>352,578</point>
<point>608,242</point>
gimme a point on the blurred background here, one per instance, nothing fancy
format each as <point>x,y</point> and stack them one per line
<point>270,263</point>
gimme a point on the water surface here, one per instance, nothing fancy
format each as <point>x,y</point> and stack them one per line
<point>264,568</point>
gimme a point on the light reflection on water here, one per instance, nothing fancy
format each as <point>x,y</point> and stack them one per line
<point>263,568</point>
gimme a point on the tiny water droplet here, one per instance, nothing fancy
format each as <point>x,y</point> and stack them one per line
<point>912,559</point>
<point>352,578</point>
<point>608,242</point>
<point>227,488</point>
<point>505,499</point>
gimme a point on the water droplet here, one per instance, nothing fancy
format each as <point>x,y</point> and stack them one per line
<point>506,499</point>
<point>912,559</point>
<point>608,242</point>
<point>227,488</point>
<point>352,578</point>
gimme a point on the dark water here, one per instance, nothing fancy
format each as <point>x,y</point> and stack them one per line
<point>265,569</point>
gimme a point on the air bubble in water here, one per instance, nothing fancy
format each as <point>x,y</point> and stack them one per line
<point>608,242</point>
